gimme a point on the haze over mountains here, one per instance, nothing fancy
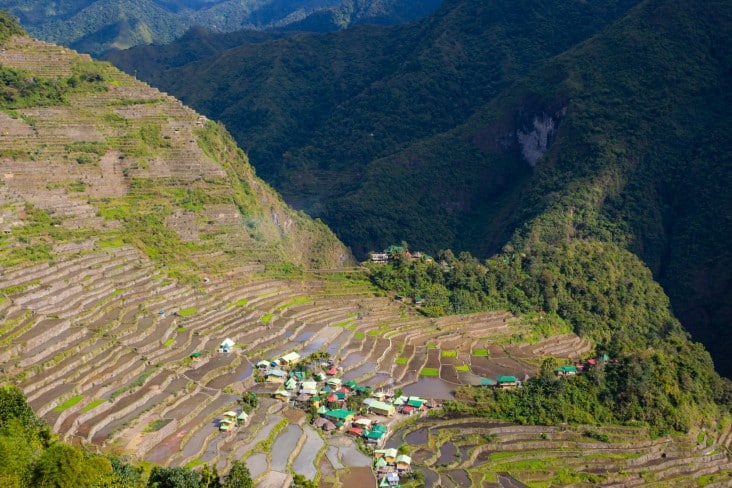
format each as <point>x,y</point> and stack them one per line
<point>487,118</point>
<point>96,26</point>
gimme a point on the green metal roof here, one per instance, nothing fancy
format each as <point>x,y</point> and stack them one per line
<point>340,413</point>
<point>507,379</point>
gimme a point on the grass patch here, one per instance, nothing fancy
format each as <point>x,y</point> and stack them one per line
<point>345,323</point>
<point>430,372</point>
<point>374,332</point>
<point>448,354</point>
<point>181,329</point>
<point>69,403</point>
<point>169,342</point>
<point>463,369</point>
<point>12,290</point>
<point>194,463</point>
<point>359,335</point>
<point>431,345</point>
<point>402,360</point>
<point>295,301</point>
<point>267,318</point>
<point>187,312</point>
<point>242,302</point>
<point>91,405</point>
<point>111,244</point>
<point>155,425</point>
<point>480,353</point>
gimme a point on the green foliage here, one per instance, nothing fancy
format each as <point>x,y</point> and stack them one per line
<point>162,477</point>
<point>188,312</point>
<point>249,401</point>
<point>238,476</point>
<point>426,117</point>
<point>430,372</point>
<point>69,403</point>
<point>300,481</point>
<point>8,27</point>
<point>18,89</point>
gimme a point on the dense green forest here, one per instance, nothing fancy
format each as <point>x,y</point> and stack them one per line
<point>552,119</point>
<point>97,26</point>
<point>657,376</point>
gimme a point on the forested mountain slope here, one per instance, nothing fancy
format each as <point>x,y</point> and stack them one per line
<point>136,237</point>
<point>415,133</point>
<point>96,26</point>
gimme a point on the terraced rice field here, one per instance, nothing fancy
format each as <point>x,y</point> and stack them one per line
<point>101,340</point>
<point>105,321</point>
<point>478,452</point>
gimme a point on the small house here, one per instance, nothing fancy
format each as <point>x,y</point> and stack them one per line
<point>403,463</point>
<point>340,415</point>
<point>373,436</point>
<point>309,385</point>
<point>382,408</point>
<point>417,403</point>
<point>355,431</point>
<point>389,455</point>
<point>392,478</point>
<point>276,376</point>
<point>379,257</point>
<point>507,381</point>
<point>363,422</point>
<point>566,371</point>
<point>226,346</point>
<point>263,364</point>
<point>226,425</point>
<point>291,384</point>
<point>282,395</point>
<point>290,359</point>
<point>242,418</point>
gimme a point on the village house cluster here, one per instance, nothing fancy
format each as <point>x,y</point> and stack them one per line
<point>391,251</point>
<point>345,407</point>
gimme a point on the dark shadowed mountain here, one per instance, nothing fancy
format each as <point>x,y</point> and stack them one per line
<point>540,119</point>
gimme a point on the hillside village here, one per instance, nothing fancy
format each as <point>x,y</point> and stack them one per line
<point>158,300</point>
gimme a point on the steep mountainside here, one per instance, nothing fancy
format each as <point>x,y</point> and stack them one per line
<point>96,26</point>
<point>132,164</point>
<point>313,110</point>
<point>146,272</point>
<point>423,138</point>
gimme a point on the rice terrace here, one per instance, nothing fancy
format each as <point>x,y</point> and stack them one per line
<point>159,301</point>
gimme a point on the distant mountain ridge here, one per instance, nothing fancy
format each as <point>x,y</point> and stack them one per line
<point>97,26</point>
<point>538,119</point>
